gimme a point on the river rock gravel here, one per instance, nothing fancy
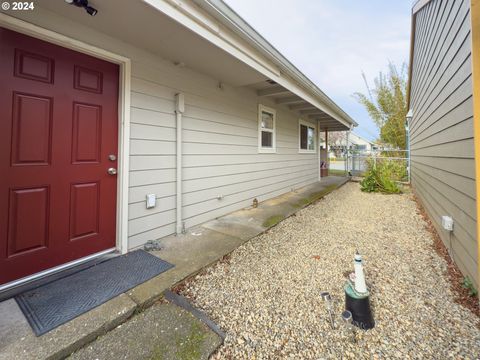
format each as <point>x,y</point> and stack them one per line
<point>266,295</point>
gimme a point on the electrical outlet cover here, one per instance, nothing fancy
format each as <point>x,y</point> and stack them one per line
<point>151,201</point>
<point>447,223</point>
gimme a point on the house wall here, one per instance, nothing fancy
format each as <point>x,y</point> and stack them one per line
<point>220,141</point>
<point>442,146</point>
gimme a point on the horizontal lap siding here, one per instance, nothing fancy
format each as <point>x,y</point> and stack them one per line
<point>223,170</point>
<point>220,140</point>
<point>227,164</point>
<point>442,146</point>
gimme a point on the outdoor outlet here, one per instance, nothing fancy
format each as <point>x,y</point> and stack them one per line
<point>447,223</point>
<point>151,201</point>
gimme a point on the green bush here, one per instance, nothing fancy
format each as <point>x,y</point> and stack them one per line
<point>469,285</point>
<point>396,167</point>
<point>381,177</point>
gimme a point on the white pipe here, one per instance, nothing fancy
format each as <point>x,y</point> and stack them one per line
<point>179,109</point>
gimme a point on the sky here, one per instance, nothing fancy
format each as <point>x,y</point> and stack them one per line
<point>333,41</point>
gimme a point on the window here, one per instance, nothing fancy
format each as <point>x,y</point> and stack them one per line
<point>266,129</point>
<point>307,137</point>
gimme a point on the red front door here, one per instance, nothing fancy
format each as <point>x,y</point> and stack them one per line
<point>58,138</point>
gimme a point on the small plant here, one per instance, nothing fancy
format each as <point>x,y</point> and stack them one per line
<point>380,177</point>
<point>468,284</point>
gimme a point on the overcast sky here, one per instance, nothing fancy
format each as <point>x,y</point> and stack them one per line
<point>333,41</point>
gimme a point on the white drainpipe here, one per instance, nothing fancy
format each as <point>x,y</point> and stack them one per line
<point>179,110</point>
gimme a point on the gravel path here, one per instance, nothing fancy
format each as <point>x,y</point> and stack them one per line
<point>266,296</point>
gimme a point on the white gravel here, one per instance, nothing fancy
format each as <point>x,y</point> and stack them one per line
<point>266,297</point>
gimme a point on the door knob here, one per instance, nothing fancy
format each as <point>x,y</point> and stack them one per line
<point>112,171</point>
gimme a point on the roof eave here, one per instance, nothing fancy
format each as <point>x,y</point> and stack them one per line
<point>235,23</point>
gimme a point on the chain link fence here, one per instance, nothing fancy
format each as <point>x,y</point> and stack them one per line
<point>356,163</point>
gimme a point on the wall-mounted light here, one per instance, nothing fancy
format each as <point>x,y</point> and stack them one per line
<point>83,4</point>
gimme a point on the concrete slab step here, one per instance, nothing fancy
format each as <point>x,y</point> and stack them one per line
<point>164,331</point>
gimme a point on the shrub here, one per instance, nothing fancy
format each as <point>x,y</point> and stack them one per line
<point>396,167</point>
<point>468,284</point>
<point>380,177</point>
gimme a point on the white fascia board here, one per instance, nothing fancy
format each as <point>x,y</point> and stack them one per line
<point>232,20</point>
<point>195,20</point>
<point>305,95</point>
<point>251,53</point>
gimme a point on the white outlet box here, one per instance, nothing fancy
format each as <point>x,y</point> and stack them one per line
<point>151,201</point>
<point>447,223</point>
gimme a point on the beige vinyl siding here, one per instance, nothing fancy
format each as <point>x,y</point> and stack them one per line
<point>220,152</point>
<point>220,140</point>
<point>442,147</point>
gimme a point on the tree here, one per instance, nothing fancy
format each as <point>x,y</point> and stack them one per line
<point>386,104</point>
<point>337,142</point>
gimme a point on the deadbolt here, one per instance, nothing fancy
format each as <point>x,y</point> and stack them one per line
<point>112,171</point>
<point>112,157</point>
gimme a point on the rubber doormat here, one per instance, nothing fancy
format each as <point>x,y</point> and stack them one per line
<point>62,300</point>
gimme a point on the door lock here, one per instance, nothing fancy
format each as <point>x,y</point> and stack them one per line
<point>112,171</point>
<point>112,157</point>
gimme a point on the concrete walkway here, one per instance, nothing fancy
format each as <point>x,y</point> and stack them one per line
<point>200,247</point>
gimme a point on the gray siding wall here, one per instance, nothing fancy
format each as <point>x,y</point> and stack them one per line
<point>220,141</point>
<point>220,151</point>
<point>443,168</point>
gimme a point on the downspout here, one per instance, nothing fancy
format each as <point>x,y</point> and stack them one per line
<point>475,21</point>
<point>179,110</point>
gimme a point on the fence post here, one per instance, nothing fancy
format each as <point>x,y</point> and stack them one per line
<point>407,135</point>
<point>346,156</point>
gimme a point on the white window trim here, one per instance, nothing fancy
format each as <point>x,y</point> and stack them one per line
<point>273,149</point>
<point>311,125</point>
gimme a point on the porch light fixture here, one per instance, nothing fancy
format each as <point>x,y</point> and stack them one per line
<point>83,4</point>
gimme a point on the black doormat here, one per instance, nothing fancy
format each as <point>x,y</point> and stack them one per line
<point>62,300</point>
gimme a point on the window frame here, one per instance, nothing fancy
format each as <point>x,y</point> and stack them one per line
<point>308,125</point>
<point>273,112</point>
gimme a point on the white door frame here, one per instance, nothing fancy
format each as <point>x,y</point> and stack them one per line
<point>123,109</point>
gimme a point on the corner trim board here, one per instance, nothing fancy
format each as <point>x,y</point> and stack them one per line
<point>475,23</point>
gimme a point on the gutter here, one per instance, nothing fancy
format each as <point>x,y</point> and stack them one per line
<point>228,17</point>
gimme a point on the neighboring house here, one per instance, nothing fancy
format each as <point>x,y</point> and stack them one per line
<point>356,142</point>
<point>97,111</point>
<point>338,143</point>
<point>441,103</point>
